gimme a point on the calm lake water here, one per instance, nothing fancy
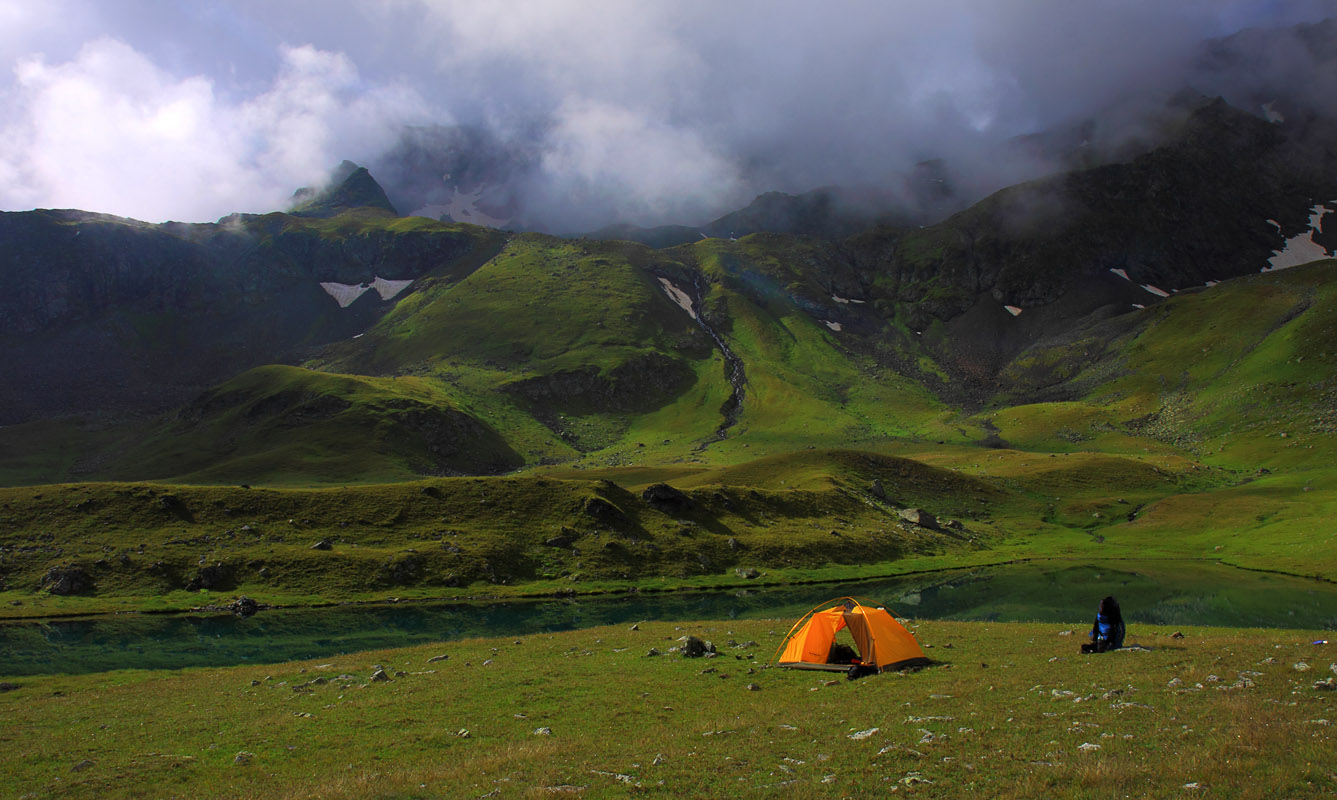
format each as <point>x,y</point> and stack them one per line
<point>1167,593</point>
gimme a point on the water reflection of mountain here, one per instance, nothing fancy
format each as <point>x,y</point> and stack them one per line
<point>1168,593</point>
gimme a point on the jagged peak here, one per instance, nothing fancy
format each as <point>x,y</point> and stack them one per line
<point>350,187</point>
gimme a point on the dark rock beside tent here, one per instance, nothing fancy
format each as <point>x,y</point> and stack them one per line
<point>696,647</point>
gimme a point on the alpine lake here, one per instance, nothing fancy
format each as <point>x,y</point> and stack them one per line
<point>1175,593</point>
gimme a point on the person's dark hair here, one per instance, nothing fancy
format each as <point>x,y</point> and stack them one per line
<point>1109,607</point>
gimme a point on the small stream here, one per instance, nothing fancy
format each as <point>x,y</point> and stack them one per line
<point>734,371</point>
<point>1162,593</point>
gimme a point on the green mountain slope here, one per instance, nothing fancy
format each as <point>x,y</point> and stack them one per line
<point>284,424</point>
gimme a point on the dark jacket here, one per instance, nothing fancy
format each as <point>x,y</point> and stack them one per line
<point>1108,628</point>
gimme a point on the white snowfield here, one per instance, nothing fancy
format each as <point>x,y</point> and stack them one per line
<point>345,293</point>
<point>463,208</point>
<point>388,289</point>
<point>678,296</point>
<point>835,326</point>
<point>1302,249</point>
<point>1013,310</point>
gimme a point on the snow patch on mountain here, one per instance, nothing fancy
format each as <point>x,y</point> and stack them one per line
<point>1302,249</point>
<point>345,293</point>
<point>678,296</point>
<point>462,207</point>
<point>388,289</point>
<point>1013,310</point>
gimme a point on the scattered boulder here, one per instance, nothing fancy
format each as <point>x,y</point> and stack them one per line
<point>323,544</point>
<point>401,570</point>
<point>173,505</point>
<point>748,573</point>
<point>601,509</point>
<point>876,490</point>
<point>544,731</point>
<point>67,581</point>
<point>1327,684</point>
<point>242,758</point>
<point>5,686</point>
<point>696,647</point>
<point>561,540</point>
<point>435,659</point>
<point>752,687</point>
<point>920,517</point>
<point>734,544</point>
<point>666,498</point>
<point>379,676</point>
<point>81,766</point>
<point>654,651</point>
<point>215,576</point>
<point>243,606</point>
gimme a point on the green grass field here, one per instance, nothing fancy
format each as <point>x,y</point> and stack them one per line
<point>1006,710</point>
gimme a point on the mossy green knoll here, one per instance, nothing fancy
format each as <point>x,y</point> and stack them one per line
<point>157,545</point>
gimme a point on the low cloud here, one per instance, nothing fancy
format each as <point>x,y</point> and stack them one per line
<point>111,131</point>
<point>652,111</point>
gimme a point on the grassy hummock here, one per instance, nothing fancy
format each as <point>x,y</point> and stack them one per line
<point>1005,710</point>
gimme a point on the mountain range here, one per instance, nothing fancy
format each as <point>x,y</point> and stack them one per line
<point>1174,302</point>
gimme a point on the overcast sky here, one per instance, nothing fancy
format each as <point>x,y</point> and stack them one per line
<point>192,109</point>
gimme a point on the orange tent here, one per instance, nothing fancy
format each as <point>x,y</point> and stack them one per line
<point>882,641</point>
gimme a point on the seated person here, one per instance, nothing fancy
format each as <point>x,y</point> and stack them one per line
<point>1107,632</point>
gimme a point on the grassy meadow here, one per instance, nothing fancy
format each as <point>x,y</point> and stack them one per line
<point>1005,710</point>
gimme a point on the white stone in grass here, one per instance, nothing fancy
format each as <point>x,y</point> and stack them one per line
<point>1193,785</point>
<point>1301,666</point>
<point>544,731</point>
<point>859,736</point>
<point>1088,746</point>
